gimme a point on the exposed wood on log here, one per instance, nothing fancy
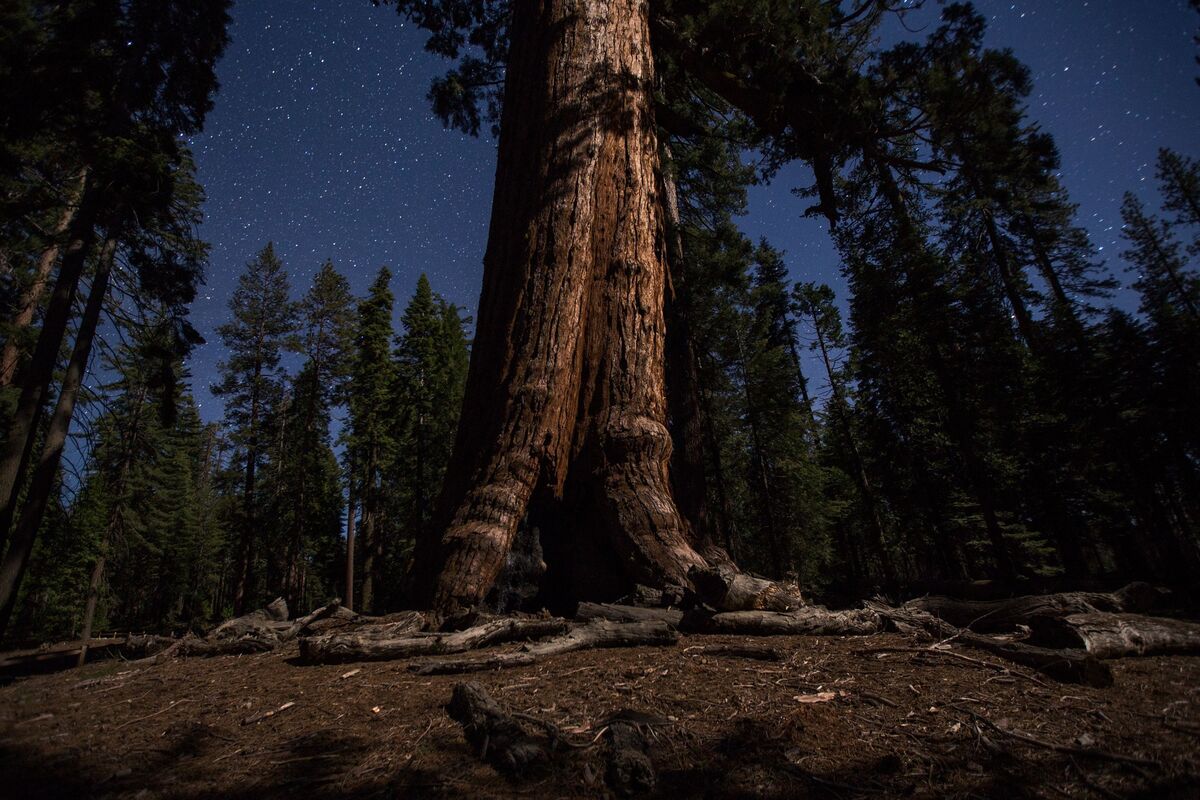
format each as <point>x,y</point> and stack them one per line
<point>811,620</point>
<point>301,624</point>
<point>1004,615</point>
<point>1071,666</point>
<point>495,736</point>
<point>1119,635</point>
<point>360,646</point>
<point>595,634</point>
<point>617,613</point>
<point>726,589</point>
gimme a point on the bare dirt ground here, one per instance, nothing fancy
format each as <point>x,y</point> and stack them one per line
<point>878,716</point>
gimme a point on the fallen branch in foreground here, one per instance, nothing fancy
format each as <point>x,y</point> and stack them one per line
<point>1119,635</point>
<point>363,646</point>
<point>1069,749</point>
<point>807,621</point>
<point>1070,666</point>
<point>595,634</point>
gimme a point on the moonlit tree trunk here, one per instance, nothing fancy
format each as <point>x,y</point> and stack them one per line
<point>36,380</point>
<point>45,473</point>
<point>565,403</point>
<point>31,297</point>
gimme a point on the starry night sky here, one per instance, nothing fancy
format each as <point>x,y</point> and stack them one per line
<point>322,141</point>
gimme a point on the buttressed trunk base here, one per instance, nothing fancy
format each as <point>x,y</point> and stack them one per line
<point>565,403</point>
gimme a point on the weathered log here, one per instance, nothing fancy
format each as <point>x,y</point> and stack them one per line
<point>359,647</point>
<point>985,616</point>
<point>1070,666</point>
<point>1119,635</point>
<point>494,735</point>
<point>726,589</point>
<point>17,661</point>
<point>595,634</point>
<point>808,621</point>
<point>617,613</point>
<point>301,624</point>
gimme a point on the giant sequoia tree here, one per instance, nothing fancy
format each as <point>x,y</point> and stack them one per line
<point>565,398</point>
<point>565,416</point>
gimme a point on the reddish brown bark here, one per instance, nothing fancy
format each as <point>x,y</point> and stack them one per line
<point>565,395</point>
<point>31,296</point>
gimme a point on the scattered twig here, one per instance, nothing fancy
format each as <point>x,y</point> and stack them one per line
<point>266,714</point>
<point>172,704</point>
<point>1091,752</point>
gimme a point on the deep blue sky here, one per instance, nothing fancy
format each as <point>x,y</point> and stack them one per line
<point>322,141</point>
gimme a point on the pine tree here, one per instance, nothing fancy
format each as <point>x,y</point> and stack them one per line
<point>262,328</point>
<point>371,442</point>
<point>305,483</point>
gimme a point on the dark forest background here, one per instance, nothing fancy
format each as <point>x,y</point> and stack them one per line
<point>984,410</point>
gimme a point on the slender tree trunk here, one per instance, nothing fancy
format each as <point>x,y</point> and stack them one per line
<point>16,559</point>
<point>923,286</point>
<point>93,595</point>
<point>780,556</point>
<point>1008,281</point>
<point>116,521</point>
<point>878,537</point>
<point>348,593</point>
<point>370,497</point>
<point>567,371</point>
<point>244,582</point>
<point>688,479</point>
<point>37,378</point>
<point>31,297</point>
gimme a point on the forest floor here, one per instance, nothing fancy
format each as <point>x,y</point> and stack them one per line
<point>837,717</point>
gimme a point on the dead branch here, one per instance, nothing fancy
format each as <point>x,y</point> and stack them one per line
<point>984,616</point>
<point>595,634</point>
<point>810,620</point>
<point>363,646</point>
<point>1072,666</point>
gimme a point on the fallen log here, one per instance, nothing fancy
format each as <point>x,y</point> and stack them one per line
<point>495,736</point>
<point>366,646</point>
<point>984,616</point>
<point>618,613</point>
<point>1069,666</point>
<point>595,634</point>
<point>1119,635</point>
<point>301,624</point>
<point>16,662</point>
<point>807,621</point>
<point>725,589</point>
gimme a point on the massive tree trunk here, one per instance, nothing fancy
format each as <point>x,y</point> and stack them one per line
<point>565,397</point>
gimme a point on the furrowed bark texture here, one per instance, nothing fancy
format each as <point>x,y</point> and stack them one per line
<point>566,394</point>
